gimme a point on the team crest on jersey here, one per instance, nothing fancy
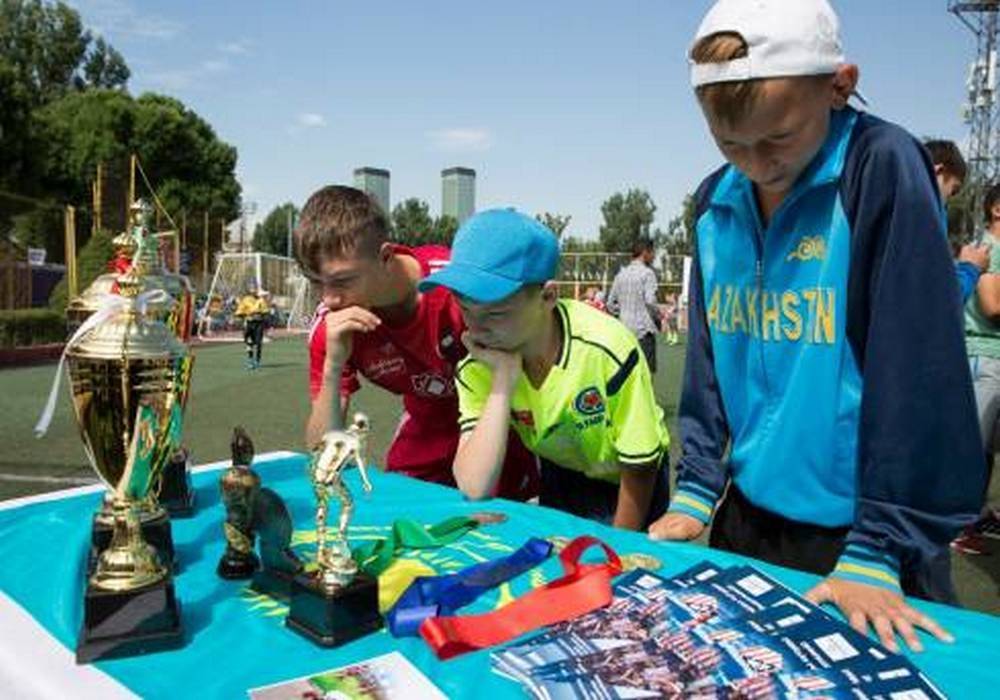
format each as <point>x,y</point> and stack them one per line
<point>432,385</point>
<point>589,402</point>
<point>809,248</point>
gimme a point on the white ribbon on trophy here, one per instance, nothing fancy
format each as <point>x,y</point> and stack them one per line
<point>108,306</point>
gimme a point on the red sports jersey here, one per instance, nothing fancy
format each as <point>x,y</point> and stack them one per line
<point>417,361</point>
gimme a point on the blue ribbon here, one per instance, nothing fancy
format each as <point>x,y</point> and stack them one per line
<point>432,596</point>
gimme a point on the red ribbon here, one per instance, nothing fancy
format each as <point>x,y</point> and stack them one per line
<point>583,588</point>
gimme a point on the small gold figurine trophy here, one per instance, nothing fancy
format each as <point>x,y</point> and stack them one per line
<point>336,602</point>
<point>240,486</point>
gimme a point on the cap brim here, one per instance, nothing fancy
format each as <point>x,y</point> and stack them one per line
<point>477,285</point>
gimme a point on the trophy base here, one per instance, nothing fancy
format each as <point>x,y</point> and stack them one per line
<point>234,566</point>
<point>273,582</point>
<point>155,532</point>
<point>130,623</point>
<point>330,620</point>
<point>176,493</point>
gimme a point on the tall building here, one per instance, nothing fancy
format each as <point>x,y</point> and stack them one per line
<point>458,193</point>
<point>375,182</point>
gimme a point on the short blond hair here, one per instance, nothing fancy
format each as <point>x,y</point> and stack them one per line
<point>731,102</point>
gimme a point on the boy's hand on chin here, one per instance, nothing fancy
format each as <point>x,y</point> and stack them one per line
<point>341,325</point>
<point>500,361</point>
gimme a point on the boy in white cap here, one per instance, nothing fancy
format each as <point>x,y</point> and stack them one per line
<point>825,382</point>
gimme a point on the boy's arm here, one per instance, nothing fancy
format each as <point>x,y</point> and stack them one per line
<point>920,471</point>
<point>640,438</point>
<point>973,261</point>
<point>332,378</point>
<point>635,494</point>
<point>988,295</point>
<point>612,304</point>
<point>484,418</point>
<point>649,297</point>
<point>702,472</point>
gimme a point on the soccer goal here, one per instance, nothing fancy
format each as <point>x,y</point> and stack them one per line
<point>292,298</point>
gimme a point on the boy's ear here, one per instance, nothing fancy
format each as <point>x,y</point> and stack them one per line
<point>938,169</point>
<point>385,253</point>
<point>550,292</point>
<point>845,80</point>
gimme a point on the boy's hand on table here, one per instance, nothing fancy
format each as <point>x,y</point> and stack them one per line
<point>676,526</point>
<point>341,325</point>
<point>887,612</point>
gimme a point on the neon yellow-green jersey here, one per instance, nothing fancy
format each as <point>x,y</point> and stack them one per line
<point>596,410</point>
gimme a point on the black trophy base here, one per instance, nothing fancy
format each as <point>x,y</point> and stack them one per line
<point>130,623</point>
<point>234,565</point>
<point>332,620</point>
<point>156,533</point>
<point>176,493</point>
<point>273,582</point>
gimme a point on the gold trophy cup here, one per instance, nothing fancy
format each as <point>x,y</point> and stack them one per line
<point>138,247</point>
<point>129,375</point>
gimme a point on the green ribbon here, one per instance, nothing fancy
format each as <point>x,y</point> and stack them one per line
<point>376,556</point>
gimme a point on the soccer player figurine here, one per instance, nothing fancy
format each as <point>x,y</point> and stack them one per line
<point>337,602</point>
<point>337,451</point>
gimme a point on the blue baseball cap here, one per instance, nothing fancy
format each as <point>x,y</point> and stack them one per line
<point>495,253</point>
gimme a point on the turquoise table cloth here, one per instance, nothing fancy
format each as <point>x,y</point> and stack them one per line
<point>236,640</point>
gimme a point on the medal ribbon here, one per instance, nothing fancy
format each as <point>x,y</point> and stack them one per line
<point>431,596</point>
<point>582,588</point>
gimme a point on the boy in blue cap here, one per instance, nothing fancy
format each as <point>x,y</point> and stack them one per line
<point>825,382</point>
<point>569,379</point>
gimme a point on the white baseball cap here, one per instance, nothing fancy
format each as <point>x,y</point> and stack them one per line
<point>785,38</point>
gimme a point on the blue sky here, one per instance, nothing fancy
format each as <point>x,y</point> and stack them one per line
<point>556,104</point>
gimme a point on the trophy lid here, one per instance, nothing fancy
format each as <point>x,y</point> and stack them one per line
<point>89,300</point>
<point>131,332</point>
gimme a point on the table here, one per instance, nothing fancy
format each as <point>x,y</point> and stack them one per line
<point>237,640</point>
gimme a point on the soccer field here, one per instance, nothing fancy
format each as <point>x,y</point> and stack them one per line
<point>272,404</point>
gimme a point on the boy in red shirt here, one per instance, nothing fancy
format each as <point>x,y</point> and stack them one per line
<point>374,322</point>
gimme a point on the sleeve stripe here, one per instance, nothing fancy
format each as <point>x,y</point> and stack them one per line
<point>698,490</point>
<point>640,457</point>
<point>863,554</point>
<point>693,503</point>
<point>865,574</point>
<point>618,380</point>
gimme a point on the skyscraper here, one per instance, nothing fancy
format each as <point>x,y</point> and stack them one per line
<point>375,182</point>
<point>458,193</point>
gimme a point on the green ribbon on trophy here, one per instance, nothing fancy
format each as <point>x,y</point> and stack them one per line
<point>375,557</point>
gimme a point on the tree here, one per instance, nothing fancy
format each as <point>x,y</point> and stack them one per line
<point>43,56</point>
<point>105,68</point>
<point>92,261</point>
<point>556,222</point>
<point>444,230</point>
<point>412,223</point>
<point>188,166</point>
<point>679,238</point>
<point>271,235</point>
<point>627,217</point>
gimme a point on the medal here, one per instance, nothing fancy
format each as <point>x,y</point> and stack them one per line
<point>640,561</point>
